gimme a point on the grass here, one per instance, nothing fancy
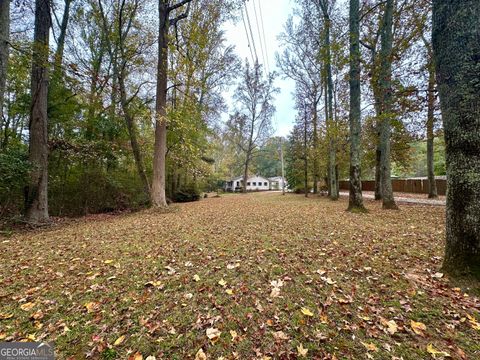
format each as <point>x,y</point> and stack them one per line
<point>84,284</point>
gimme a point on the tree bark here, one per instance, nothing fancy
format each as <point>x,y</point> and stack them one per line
<point>37,195</point>
<point>132,131</point>
<point>160,147</point>
<point>385,82</point>
<point>4,50</point>
<point>378,173</point>
<point>61,39</point>
<point>315,148</point>
<point>432,186</point>
<point>355,202</point>
<point>456,45</point>
<point>332,155</point>
<point>305,155</point>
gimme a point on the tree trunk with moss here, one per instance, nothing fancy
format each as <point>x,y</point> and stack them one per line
<point>456,45</point>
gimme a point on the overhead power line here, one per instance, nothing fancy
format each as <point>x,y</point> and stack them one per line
<point>259,34</point>
<point>263,33</point>
<point>248,38</point>
<point>251,32</point>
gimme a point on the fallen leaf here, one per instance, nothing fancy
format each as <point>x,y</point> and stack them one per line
<point>200,355</point>
<point>391,325</point>
<point>418,327</point>
<point>92,306</point>
<point>370,346</point>
<point>436,353</point>
<point>196,278</point>
<point>136,356</point>
<point>157,284</point>
<point>119,340</point>
<point>233,334</point>
<point>305,311</point>
<point>222,282</point>
<point>213,334</point>
<point>27,306</point>
<point>4,316</point>
<point>229,291</point>
<point>108,261</point>
<point>302,351</point>
<point>280,335</point>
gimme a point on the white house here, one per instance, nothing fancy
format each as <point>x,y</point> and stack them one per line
<point>277,183</point>
<point>254,183</point>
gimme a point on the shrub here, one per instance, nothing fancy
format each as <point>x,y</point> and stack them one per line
<point>14,169</point>
<point>186,194</point>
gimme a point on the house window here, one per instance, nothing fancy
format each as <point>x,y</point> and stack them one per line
<point>248,183</point>
<point>254,183</point>
<point>265,184</point>
<point>238,183</point>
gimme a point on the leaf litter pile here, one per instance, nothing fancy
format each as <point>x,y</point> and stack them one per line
<point>256,276</point>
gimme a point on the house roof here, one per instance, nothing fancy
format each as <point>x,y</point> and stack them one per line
<point>250,177</point>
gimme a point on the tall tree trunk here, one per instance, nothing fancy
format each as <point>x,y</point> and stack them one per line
<point>432,186</point>
<point>332,152</point>
<point>61,39</point>
<point>378,173</point>
<point>245,174</point>
<point>4,52</point>
<point>132,131</point>
<point>160,147</point>
<point>385,82</point>
<point>355,202</point>
<point>315,148</point>
<point>305,155</point>
<point>37,196</point>
<point>456,45</point>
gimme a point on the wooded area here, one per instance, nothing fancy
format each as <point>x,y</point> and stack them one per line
<point>119,106</point>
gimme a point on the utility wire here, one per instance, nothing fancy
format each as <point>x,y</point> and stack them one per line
<point>259,35</point>
<point>263,33</point>
<point>251,32</point>
<point>248,38</point>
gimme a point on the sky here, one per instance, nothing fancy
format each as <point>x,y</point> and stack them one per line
<point>275,14</point>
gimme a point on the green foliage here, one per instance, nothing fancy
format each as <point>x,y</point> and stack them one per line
<point>187,193</point>
<point>14,169</point>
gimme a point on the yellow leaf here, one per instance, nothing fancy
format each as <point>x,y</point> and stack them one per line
<point>136,356</point>
<point>306,311</point>
<point>108,261</point>
<point>324,318</point>
<point>196,278</point>
<point>3,335</point>
<point>473,322</point>
<point>213,334</point>
<point>200,355</point>
<point>92,306</point>
<point>391,325</point>
<point>157,284</point>
<point>119,340</point>
<point>302,351</point>
<point>370,346</point>
<point>434,352</point>
<point>27,306</point>
<point>233,334</point>
<point>418,327</point>
<point>4,316</point>
<point>222,282</point>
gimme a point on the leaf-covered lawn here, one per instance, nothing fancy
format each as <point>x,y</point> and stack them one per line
<point>253,276</point>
